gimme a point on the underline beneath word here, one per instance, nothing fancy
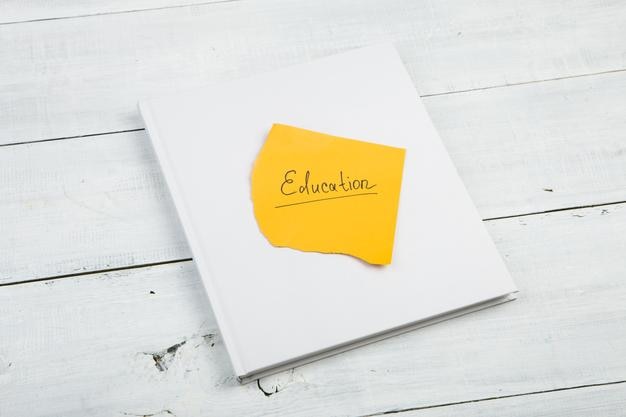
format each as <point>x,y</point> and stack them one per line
<point>324,199</point>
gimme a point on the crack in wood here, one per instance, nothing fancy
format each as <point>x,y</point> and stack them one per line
<point>163,359</point>
<point>266,393</point>
<point>164,411</point>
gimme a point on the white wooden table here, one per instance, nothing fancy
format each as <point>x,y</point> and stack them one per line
<point>101,310</point>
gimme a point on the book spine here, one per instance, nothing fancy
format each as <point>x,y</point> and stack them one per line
<point>188,227</point>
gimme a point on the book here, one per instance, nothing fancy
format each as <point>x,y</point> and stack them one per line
<point>280,307</point>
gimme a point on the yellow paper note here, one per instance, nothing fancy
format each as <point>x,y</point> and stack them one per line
<point>321,193</point>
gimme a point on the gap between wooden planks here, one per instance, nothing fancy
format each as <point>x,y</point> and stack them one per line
<point>71,77</point>
<point>597,53</point>
<point>29,11</point>
<point>100,202</point>
<point>567,329</point>
<point>607,400</point>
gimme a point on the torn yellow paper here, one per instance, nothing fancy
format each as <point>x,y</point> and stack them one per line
<point>316,192</point>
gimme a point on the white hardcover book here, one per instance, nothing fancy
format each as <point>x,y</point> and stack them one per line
<point>279,307</point>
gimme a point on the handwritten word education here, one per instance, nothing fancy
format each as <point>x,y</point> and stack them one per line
<point>340,188</point>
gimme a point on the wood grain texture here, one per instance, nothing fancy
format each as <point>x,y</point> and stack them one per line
<point>72,77</point>
<point>602,401</point>
<point>143,341</point>
<point>531,148</point>
<point>84,204</point>
<point>16,11</point>
<point>96,203</point>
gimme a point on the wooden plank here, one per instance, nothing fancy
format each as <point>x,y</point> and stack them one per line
<point>538,147</point>
<point>100,202</point>
<point>601,401</point>
<point>105,345</point>
<point>15,11</point>
<point>78,76</point>
<point>84,204</point>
